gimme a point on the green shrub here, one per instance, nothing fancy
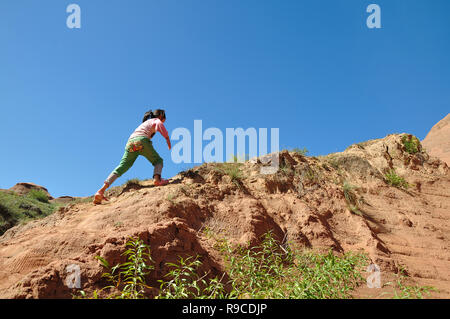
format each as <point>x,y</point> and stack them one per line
<point>273,271</point>
<point>127,278</point>
<point>394,180</point>
<point>185,283</point>
<point>256,271</point>
<point>39,195</point>
<point>267,271</point>
<point>7,219</point>
<point>411,144</point>
<point>325,276</point>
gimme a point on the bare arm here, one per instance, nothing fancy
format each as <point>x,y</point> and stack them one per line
<point>159,127</point>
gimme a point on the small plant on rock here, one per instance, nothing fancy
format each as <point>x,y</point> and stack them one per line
<point>232,170</point>
<point>128,278</point>
<point>300,151</point>
<point>186,283</point>
<point>394,180</point>
<point>350,198</point>
<point>411,144</point>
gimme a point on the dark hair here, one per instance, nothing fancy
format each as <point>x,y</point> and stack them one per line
<point>154,114</point>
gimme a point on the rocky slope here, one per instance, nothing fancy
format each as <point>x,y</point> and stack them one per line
<point>340,201</point>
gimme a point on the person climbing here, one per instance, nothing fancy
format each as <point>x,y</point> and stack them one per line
<point>139,143</point>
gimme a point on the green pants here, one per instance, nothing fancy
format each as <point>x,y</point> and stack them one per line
<point>129,157</point>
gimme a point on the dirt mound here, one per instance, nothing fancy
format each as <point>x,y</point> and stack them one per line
<point>437,142</point>
<point>25,188</point>
<point>341,201</point>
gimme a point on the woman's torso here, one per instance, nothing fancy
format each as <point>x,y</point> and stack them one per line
<point>149,128</point>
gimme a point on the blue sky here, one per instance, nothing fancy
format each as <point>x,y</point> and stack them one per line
<point>69,98</point>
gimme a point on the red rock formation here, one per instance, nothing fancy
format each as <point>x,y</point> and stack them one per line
<point>437,142</point>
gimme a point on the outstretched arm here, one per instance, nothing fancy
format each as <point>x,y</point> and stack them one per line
<point>162,129</point>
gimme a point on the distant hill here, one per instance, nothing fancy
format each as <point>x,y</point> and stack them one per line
<point>23,202</point>
<point>27,201</point>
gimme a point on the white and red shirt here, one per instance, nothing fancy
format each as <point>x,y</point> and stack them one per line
<point>149,127</point>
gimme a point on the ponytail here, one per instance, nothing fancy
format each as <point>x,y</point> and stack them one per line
<point>148,115</point>
<point>151,115</point>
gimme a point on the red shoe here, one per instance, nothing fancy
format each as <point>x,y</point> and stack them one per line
<point>98,198</point>
<point>161,182</point>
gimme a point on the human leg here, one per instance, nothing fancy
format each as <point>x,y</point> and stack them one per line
<point>153,157</point>
<point>126,162</point>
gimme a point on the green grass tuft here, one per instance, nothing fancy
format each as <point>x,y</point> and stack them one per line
<point>411,143</point>
<point>232,170</point>
<point>300,151</point>
<point>409,292</point>
<point>351,198</point>
<point>394,180</point>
